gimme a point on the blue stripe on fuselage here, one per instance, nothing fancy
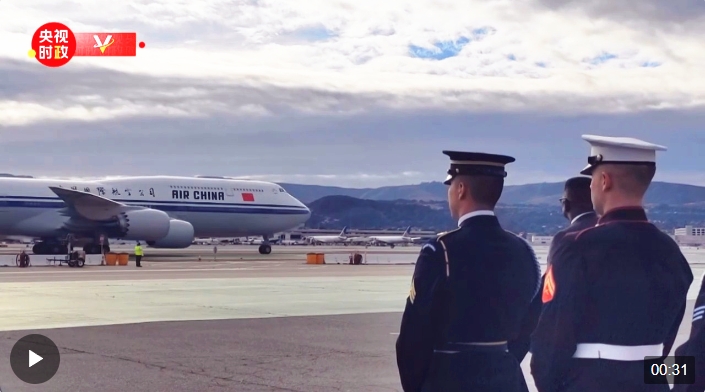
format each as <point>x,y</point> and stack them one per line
<point>233,208</point>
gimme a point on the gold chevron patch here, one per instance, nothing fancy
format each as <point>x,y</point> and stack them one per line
<point>412,292</point>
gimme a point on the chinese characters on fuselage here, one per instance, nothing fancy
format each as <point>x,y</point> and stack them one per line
<point>115,191</point>
<point>197,195</point>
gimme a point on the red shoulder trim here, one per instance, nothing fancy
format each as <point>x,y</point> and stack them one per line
<point>578,234</point>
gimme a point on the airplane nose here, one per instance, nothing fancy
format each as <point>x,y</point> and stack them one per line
<point>305,207</point>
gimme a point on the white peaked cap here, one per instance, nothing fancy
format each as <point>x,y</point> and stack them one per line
<point>606,149</point>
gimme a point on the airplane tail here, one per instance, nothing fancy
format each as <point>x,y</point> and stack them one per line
<point>406,232</point>
<point>343,232</point>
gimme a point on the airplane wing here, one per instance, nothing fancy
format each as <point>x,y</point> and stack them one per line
<point>88,205</point>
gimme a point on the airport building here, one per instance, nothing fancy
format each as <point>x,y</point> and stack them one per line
<point>690,236</point>
<point>690,231</point>
<point>539,239</point>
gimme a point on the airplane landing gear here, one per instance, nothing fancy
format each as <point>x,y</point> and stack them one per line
<point>60,247</point>
<point>265,249</point>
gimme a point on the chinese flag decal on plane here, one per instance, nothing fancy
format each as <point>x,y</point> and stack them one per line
<point>549,286</point>
<point>248,197</point>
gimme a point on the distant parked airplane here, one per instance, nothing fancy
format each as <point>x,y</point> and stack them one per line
<point>392,240</point>
<point>329,239</point>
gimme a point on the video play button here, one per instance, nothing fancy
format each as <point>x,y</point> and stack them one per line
<point>34,359</point>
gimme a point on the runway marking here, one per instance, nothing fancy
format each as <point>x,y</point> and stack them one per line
<point>128,271</point>
<point>26,306</point>
<point>394,333</point>
<point>104,269</point>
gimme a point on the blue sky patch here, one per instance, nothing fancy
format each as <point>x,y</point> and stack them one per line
<point>478,33</point>
<point>314,33</point>
<point>650,64</point>
<point>446,49</point>
<point>442,50</point>
<point>602,58</point>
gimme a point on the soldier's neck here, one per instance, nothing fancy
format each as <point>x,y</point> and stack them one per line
<point>470,209</point>
<point>622,203</point>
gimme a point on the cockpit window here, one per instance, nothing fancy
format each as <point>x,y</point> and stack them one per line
<point>282,190</point>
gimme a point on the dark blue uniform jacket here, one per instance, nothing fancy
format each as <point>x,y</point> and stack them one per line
<point>623,282</point>
<point>695,346</point>
<point>473,284</point>
<point>559,240</point>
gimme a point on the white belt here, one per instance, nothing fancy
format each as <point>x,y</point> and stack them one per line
<point>617,353</point>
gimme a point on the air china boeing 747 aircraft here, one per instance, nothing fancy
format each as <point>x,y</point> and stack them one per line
<point>165,212</point>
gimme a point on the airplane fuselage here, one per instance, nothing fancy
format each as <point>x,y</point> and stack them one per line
<point>327,239</point>
<point>393,240</point>
<point>214,207</point>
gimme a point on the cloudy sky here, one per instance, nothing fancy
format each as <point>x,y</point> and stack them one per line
<point>353,93</point>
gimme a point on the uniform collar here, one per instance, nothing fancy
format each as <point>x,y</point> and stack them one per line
<point>633,214</point>
<point>580,216</point>
<point>473,214</point>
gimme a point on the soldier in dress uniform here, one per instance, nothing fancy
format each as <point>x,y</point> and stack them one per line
<point>614,293</point>
<point>695,345</point>
<point>576,205</point>
<point>465,325</point>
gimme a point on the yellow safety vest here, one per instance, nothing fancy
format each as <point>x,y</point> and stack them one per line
<point>138,250</point>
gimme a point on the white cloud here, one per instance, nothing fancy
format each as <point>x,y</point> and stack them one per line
<point>332,87</point>
<point>348,180</point>
<point>516,177</point>
<point>532,57</point>
<point>23,113</point>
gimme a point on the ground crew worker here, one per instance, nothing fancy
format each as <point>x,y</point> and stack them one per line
<point>615,293</point>
<point>695,345</point>
<point>470,292</point>
<point>138,254</point>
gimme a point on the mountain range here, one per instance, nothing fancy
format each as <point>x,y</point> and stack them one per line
<point>547,193</point>
<point>532,208</point>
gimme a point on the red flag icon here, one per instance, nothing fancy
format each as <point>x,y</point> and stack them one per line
<point>248,197</point>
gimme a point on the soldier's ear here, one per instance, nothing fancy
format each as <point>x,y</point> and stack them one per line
<point>606,182</point>
<point>462,190</point>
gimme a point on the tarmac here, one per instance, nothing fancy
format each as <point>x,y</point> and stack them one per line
<point>234,321</point>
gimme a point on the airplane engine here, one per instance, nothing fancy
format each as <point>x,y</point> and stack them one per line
<point>181,235</point>
<point>143,225</point>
